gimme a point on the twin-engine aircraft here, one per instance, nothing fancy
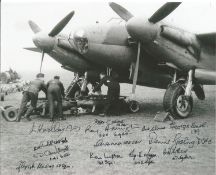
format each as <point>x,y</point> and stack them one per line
<point>144,51</point>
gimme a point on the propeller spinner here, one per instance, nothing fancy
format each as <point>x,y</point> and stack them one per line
<point>45,42</point>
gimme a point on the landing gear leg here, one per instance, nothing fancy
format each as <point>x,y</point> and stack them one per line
<point>178,100</point>
<point>174,77</point>
<point>134,105</point>
<point>189,85</point>
<point>74,89</point>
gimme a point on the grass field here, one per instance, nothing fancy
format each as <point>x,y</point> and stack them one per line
<point>126,144</point>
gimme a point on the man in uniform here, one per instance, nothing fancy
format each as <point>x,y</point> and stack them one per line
<point>55,92</point>
<point>112,93</point>
<point>31,94</point>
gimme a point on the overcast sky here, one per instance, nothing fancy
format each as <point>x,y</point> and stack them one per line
<point>195,16</point>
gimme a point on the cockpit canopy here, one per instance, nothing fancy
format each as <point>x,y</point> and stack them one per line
<point>81,41</point>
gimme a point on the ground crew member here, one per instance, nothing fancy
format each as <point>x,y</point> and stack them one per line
<point>112,93</point>
<point>31,94</point>
<point>55,92</point>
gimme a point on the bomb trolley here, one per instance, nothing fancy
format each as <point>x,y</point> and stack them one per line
<point>91,104</point>
<point>95,103</point>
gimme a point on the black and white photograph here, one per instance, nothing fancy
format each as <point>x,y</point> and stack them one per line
<point>107,87</point>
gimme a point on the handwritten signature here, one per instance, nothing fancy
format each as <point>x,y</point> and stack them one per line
<point>53,128</point>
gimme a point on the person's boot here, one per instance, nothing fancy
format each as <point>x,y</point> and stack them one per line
<point>102,114</point>
<point>18,118</point>
<point>62,118</point>
<point>28,118</point>
<point>52,120</point>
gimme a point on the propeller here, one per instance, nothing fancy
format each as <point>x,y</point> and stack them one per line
<point>160,14</point>
<point>142,30</point>
<point>164,11</point>
<point>41,60</point>
<point>34,49</point>
<point>45,42</point>
<point>121,11</point>
<point>59,27</point>
<point>35,28</point>
<point>136,70</point>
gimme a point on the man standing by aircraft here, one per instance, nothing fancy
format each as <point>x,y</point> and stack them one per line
<point>112,93</point>
<point>55,92</point>
<point>31,94</point>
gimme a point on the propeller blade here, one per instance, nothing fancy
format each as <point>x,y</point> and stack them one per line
<point>136,71</point>
<point>121,11</point>
<point>35,28</point>
<point>34,49</point>
<point>164,11</point>
<point>58,28</point>
<point>42,60</point>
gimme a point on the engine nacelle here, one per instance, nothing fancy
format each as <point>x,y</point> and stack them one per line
<point>206,77</point>
<point>182,38</point>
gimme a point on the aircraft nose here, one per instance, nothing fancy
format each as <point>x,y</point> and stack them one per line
<point>141,29</point>
<point>43,41</point>
<point>81,41</point>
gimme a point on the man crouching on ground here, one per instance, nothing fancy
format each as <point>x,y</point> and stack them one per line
<point>31,94</point>
<point>55,92</point>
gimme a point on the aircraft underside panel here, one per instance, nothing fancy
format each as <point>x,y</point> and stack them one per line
<point>152,77</point>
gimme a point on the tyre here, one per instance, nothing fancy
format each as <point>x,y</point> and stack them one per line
<point>133,106</point>
<point>75,91</point>
<point>72,91</point>
<point>10,113</point>
<point>175,102</point>
<point>2,111</point>
<point>76,94</point>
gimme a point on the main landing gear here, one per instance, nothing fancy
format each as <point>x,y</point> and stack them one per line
<point>178,99</point>
<point>74,89</point>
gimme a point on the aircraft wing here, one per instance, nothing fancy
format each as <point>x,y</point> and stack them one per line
<point>208,38</point>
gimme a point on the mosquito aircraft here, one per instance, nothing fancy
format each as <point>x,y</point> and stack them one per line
<point>144,51</point>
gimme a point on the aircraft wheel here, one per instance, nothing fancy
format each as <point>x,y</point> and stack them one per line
<point>175,102</point>
<point>10,113</point>
<point>75,91</point>
<point>1,111</point>
<point>133,106</point>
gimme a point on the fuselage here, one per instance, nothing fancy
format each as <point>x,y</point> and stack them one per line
<point>109,45</point>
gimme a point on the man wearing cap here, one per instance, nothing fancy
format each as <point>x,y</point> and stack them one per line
<point>112,93</point>
<point>55,92</point>
<point>31,94</point>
